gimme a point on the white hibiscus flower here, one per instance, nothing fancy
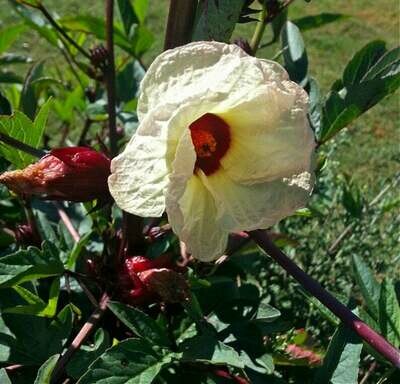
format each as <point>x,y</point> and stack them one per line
<point>223,145</point>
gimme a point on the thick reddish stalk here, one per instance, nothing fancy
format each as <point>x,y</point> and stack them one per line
<point>374,339</point>
<point>180,23</point>
<point>110,78</point>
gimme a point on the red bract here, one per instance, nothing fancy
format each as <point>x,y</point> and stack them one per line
<point>76,174</point>
<point>142,281</point>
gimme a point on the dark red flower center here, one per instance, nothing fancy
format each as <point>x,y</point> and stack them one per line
<point>211,138</point>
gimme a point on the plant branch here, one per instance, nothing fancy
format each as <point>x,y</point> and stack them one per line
<point>67,221</point>
<point>80,338</point>
<point>375,340</point>
<point>21,146</point>
<point>180,22</point>
<point>110,78</point>
<point>60,30</point>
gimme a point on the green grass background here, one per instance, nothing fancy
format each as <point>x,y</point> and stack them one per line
<point>372,152</point>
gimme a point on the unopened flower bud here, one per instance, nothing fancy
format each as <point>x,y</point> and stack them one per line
<point>26,235</point>
<point>76,174</point>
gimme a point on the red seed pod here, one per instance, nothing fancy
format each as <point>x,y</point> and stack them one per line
<point>75,173</point>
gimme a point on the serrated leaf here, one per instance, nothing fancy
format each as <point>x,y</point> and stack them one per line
<point>20,127</point>
<point>389,313</point>
<point>294,54</point>
<point>26,265</point>
<point>87,354</point>
<point>367,283</point>
<point>130,361</point>
<point>206,348</point>
<point>46,370</point>
<point>341,362</point>
<point>9,34</point>
<point>315,21</point>
<point>140,323</point>
<point>216,20</point>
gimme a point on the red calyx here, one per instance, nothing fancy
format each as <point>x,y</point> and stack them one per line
<point>75,173</point>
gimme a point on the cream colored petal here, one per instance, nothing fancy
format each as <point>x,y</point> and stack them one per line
<point>191,208</point>
<point>270,134</point>
<point>195,70</point>
<point>139,176</point>
<point>249,207</point>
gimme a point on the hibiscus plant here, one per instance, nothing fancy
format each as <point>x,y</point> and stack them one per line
<point>157,235</point>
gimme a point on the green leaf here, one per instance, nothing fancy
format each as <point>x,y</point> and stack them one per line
<point>294,54</point>
<point>267,313</point>
<point>130,361</point>
<point>316,21</point>
<point>20,127</point>
<point>369,287</point>
<point>371,75</point>
<point>342,359</point>
<point>277,24</point>
<point>33,344</point>
<point>5,106</point>
<point>9,34</point>
<point>46,370</point>
<point>4,379</point>
<point>139,39</point>
<point>316,101</point>
<point>28,100</point>
<point>9,77</point>
<point>362,62</point>
<point>389,313</point>
<point>35,21</point>
<point>140,323</point>
<point>216,20</point>
<point>141,7</point>
<point>26,265</point>
<point>128,80</point>
<point>127,14</point>
<point>12,58</point>
<point>206,348</point>
<point>77,249</point>
<point>87,354</point>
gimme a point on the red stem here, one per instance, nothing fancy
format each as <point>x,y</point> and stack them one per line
<point>374,339</point>
<point>80,338</point>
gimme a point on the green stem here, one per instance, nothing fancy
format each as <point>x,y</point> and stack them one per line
<point>259,31</point>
